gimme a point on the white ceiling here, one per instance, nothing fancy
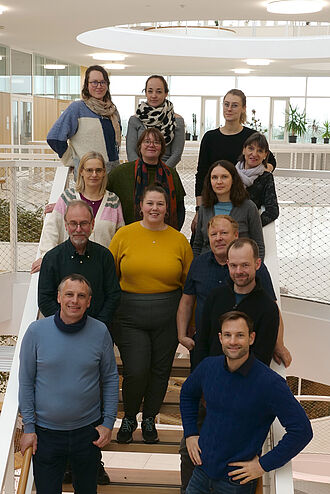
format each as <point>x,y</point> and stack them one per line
<point>50,28</point>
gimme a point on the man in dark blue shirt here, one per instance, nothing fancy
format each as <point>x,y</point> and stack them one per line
<point>243,397</point>
<point>209,271</point>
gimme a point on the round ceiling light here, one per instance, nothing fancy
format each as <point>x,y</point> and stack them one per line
<point>114,66</point>
<point>242,71</point>
<point>257,61</point>
<point>294,6</point>
<point>111,57</point>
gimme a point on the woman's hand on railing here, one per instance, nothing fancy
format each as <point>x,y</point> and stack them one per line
<point>28,439</point>
<point>36,265</point>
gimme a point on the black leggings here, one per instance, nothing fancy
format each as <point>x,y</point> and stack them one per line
<point>146,334</point>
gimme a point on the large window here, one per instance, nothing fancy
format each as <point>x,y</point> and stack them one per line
<point>21,72</point>
<point>4,69</point>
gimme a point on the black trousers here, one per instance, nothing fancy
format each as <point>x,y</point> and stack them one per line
<point>146,334</point>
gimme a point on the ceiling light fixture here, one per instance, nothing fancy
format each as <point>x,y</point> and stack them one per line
<point>2,9</point>
<point>242,71</point>
<point>111,57</point>
<point>54,66</point>
<point>257,61</point>
<point>294,6</point>
<point>114,66</point>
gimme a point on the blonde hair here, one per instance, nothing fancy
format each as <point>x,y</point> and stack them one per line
<point>218,217</point>
<point>80,183</point>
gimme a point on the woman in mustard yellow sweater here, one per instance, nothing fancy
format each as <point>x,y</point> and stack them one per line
<point>152,261</point>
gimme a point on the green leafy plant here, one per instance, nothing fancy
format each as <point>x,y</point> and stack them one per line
<point>29,223</point>
<point>314,127</point>
<point>326,128</point>
<point>295,121</point>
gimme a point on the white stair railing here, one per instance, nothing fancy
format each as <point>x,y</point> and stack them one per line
<point>9,411</point>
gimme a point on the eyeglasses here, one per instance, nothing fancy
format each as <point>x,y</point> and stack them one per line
<point>90,171</point>
<point>74,224</point>
<point>97,83</point>
<point>155,143</point>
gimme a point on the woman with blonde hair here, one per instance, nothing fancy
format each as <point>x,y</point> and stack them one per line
<point>91,188</point>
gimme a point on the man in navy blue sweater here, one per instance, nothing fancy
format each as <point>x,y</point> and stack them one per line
<point>63,359</point>
<point>243,397</point>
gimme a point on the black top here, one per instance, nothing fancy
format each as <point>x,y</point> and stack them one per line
<point>96,265</point>
<point>262,192</point>
<point>217,146</point>
<point>257,304</point>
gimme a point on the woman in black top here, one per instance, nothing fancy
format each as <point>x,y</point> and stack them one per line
<point>258,181</point>
<point>225,143</point>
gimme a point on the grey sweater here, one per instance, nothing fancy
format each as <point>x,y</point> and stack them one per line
<point>247,217</point>
<point>60,374</point>
<point>173,151</point>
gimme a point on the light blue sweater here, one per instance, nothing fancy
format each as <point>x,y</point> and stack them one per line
<point>60,374</point>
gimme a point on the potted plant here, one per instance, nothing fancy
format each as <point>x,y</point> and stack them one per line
<point>326,133</point>
<point>188,135</point>
<point>314,127</point>
<point>295,123</point>
<point>256,123</point>
<point>194,119</point>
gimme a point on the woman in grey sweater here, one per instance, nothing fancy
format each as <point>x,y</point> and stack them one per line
<point>157,112</point>
<point>224,193</point>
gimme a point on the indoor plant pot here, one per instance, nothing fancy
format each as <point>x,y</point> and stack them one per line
<point>295,123</point>
<point>326,133</point>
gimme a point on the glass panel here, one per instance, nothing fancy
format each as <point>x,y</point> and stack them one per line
<point>14,120</point>
<point>210,114</point>
<point>4,69</point>
<point>21,68</point>
<point>272,86</point>
<point>318,110</point>
<point>125,106</point>
<point>207,85</point>
<point>127,84</point>
<point>25,122</point>
<point>318,86</point>
<point>278,128</point>
<point>186,107</point>
<point>261,108</point>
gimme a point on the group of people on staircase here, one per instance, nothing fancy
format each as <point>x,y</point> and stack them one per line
<point>114,268</point>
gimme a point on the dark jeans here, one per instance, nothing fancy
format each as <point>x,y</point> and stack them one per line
<point>146,334</point>
<point>187,466</point>
<point>54,448</point>
<point>200,483</point>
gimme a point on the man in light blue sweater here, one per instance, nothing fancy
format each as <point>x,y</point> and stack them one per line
<point>243,397</point>
<point>63,360</point>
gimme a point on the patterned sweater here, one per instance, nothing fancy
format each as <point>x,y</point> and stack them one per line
<point>86,131</point>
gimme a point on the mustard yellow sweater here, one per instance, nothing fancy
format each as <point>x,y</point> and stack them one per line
<point>150,261</point>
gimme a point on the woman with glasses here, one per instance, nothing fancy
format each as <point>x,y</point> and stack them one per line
<point>157,112</point>
<point>93,123</point>
<point>129,180</point>
<point>91,188</point>
<point>225,143</point>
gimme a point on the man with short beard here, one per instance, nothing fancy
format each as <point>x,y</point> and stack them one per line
<point>80,255</point>
<point>243,397</point>
<point>244,293</point>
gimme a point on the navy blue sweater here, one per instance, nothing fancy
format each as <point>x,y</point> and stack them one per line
<point>241,407</point>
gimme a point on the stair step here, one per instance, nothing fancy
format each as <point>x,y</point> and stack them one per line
<point>169,442</point>
<point>180,367</point>
<point>119,488</point>
<point>6,357</point>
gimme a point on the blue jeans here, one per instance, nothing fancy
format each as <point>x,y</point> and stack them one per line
<point>54,448</point>
<point>200,483</point>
